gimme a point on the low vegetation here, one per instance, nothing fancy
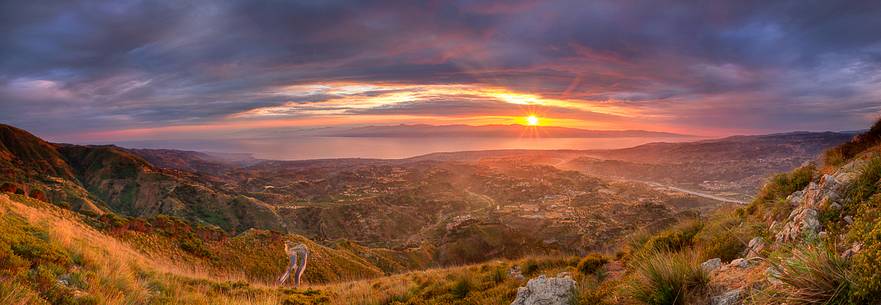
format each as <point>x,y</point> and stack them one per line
<point>847,151</point>
<point>49,255</point>
<point>770,203</point>
<point>668,277</point>
<point>813,274</point>
<point>592,263</point>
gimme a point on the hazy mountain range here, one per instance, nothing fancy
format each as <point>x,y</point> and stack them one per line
<point>499,131</point>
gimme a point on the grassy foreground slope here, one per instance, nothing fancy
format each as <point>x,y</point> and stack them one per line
<point>50,255</point>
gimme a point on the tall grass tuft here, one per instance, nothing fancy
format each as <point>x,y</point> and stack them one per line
<point>462,287</point>
<point>664,277</point>
<point>814,275</point>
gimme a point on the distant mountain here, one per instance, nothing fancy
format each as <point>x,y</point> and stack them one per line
<point>752,148</point>
<point>493,131</point>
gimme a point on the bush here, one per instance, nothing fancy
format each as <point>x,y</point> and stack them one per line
<point>779,187</point>
<point>676,238</point>
<point>591,263</point>
<point>196,247</point>
<point>867,262</point>
<point>725,235</point>
<point>846,151</point>
<point>814,275</point>
<point>530,267</point>
<point>866,184</point>
<point>662,277</point>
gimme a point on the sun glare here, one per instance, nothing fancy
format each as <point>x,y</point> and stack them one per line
<point>532,120</point>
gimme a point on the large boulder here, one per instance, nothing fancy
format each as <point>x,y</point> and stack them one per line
<point>546,291</point>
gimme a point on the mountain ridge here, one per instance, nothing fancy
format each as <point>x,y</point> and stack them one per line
<point>497,130</point>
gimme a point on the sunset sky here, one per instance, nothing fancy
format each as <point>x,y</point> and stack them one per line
<point>86,71</point>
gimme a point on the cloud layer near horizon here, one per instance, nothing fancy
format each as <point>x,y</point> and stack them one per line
<point>79,70</point>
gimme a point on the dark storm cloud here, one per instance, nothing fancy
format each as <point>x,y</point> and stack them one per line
<point>93,65</point>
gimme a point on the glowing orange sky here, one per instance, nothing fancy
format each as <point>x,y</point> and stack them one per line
<point>393,100</point>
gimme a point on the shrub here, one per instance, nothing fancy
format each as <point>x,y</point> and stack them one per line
<point>866,184</point>
<point>195,246</point>
<point>591,263</point>
<point>10,263</point>
<point>113,221</point>
<point>840,154</point>
<point>813,275</point>
<point>725,235</point>
<point>676,238</point>
<point>662,277</point>
<point>530,267</point>
<point>780,186</point>
<point>867,263</point>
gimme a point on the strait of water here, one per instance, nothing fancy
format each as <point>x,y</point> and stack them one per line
<point>300,148</point>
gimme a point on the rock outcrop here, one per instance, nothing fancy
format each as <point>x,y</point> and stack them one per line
<point>808,202</point>
<point>546,291</point>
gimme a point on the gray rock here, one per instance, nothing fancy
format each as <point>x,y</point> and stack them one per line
<point>810,223</point>
<point>848,219</point>
<point>711,264</point>
<point>546,291</point>
<point>740,263</point>
<point>730,297</point>
<point>802,220</point>
<point>755,247</point>
<point>834,206</point>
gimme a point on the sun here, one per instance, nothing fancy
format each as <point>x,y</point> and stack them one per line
<point>532,120</point>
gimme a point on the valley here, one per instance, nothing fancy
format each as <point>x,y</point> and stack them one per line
<point>370,218</point>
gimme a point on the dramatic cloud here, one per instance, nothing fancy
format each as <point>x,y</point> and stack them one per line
<point>74,68</point>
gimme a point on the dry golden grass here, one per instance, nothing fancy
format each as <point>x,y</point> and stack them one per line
<point>122,275</point>
<point>119,273</point>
